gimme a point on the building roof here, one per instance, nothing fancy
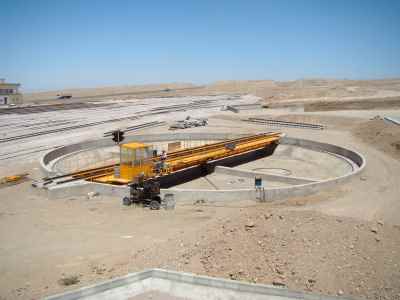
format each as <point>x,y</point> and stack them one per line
<point>134,145</point>
<point>10,85</point>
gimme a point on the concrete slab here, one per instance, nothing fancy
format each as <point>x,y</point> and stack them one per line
<point>220,181</point>
<point>301,162</point>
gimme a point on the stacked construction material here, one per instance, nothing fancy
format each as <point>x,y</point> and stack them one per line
<point>280,123</point>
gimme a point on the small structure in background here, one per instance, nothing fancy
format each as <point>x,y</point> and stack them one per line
<point>9,93</point>
<point>188,123</point>
<point>230,108</point>
<point>260,190</point>
<point>64,96</point>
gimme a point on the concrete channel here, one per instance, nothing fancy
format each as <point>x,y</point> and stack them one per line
<point>294,186</point>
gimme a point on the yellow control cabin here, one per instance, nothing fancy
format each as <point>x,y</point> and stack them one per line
<point>136,159</point>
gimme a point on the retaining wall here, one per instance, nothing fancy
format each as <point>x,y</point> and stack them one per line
<point>82,187</point>
<point>183,285</point>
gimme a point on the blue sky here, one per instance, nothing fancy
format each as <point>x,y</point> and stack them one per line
<point>58,44</point>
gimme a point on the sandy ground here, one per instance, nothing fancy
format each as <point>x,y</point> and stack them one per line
<point>316,91</point>
<point>120,91</point>
<point>343,241</point>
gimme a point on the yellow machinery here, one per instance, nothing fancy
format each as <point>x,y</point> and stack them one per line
<point>198,155</point>
<point>135,159</point>
<point>139,160</point>
<point>13,179</point>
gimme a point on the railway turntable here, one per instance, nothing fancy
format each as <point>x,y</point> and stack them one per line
<point>140,162</point>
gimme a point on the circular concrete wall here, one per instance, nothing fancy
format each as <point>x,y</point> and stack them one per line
<point>298,187</point>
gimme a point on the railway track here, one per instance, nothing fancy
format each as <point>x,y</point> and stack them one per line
<point>17,126</point>
<point>64,106</point>
<point>137,127</point>
<point>28,151</point>
<point>49,107</point>
<point>24,152</point>
<point>35,134</point>
<point>80,175</point>
<point>154,111</point>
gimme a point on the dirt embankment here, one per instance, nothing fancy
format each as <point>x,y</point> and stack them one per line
<point>382,135</point>
<point>300,250</point>
<point>356,104</point>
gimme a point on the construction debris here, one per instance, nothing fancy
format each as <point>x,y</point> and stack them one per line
<point>91,195</point>
<point>230,108</point>
<point>377,117</point>
<point>189,122</point>
<point>238,107</point>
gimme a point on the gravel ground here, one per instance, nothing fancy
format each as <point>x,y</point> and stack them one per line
<point>301,250</point>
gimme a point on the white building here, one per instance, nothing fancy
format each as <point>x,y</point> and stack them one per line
<point>9,93</point>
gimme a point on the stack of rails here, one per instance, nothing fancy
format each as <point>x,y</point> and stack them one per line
<point>174,108</point>
<point>247,106</point>
<point>278,123</point>
<point>183,107</point>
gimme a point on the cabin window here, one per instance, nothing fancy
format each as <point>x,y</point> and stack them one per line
<point>125,156</point>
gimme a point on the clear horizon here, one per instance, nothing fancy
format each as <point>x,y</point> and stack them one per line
<point>55,45</point>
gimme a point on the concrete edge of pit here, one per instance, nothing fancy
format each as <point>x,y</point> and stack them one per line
<point>182,284</point>
<point>193,195</point>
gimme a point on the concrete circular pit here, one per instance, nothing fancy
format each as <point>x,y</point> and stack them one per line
<point>298,167</point>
